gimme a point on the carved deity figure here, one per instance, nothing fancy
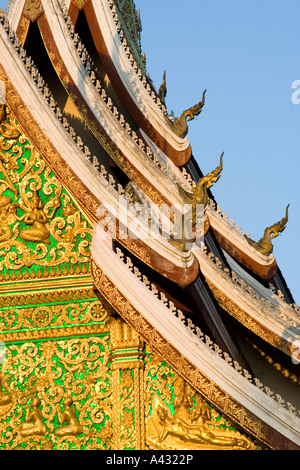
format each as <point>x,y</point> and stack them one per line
<point>33,425</point>
<point>191,425</point>
<point>198,433</point>
<point>5,398</point>
<point>7,216</point>
<point>38,220</point>
<point>73,427</point>
<point>8,131</point>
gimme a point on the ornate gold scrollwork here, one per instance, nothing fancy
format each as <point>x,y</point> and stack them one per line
<point>32,232</point>
<point>59,395</point>
<point>33,9</point>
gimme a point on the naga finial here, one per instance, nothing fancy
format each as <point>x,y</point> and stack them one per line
<point>200,193</point>
<point>180,124</point>
<point>264,245</point>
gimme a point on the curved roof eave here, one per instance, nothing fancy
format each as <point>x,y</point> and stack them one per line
<point>128,84</point>
<point>221,384</point>
<point>73,170</point>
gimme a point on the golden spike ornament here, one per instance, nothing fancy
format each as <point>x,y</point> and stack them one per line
<point>264,245</point>
<point>162,92</point>
<point>179,125</point>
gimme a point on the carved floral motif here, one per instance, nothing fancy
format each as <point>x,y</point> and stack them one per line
<point>33,9</point>
<point>39,223</point>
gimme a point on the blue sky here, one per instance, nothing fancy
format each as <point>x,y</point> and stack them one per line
<point>246,54</point>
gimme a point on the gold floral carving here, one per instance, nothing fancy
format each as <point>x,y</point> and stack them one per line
<point>56,395</point>
<point>127,371</point>
<point>23,29</point>
<point>31,231</point>
<point>68,314</point>
<point>33,9</point>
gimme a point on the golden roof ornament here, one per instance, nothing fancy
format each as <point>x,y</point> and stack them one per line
<point>33,10</point>
<point>179,125</point>
<point>200,192</point>
<point>199,196</point>
<point>80,3</point>
<point>264,245</point>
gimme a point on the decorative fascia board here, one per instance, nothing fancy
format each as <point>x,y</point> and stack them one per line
<point>224,387</point>
<point>102,15</point>
<point>274,328</point>
<point>15,13</point>
<point>237,246</point>
<point>167,161</point>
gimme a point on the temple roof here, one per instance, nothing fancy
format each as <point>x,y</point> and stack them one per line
<point>76,84</point>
